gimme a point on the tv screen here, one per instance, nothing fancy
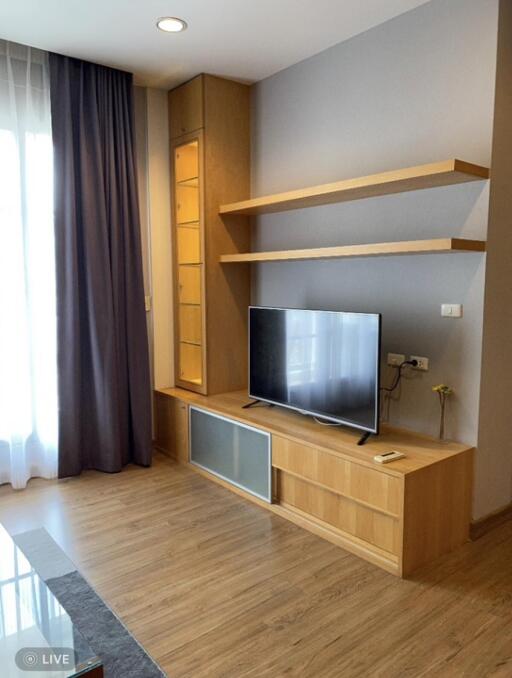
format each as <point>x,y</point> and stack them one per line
<point>324,363</point>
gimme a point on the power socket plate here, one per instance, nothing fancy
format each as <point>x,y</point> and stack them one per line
<point>422,365</point>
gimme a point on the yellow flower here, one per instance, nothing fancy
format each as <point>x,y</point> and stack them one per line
<point>443,389</point>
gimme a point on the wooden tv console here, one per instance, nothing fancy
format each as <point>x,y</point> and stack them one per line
<point>398,516</point>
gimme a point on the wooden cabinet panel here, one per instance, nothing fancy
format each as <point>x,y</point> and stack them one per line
<point>181,451</point>
<point>191,363</point>
<point>190,324</point>
<point>186,108</point>
<point>171,427</point>
<point>163,422</point>
<point>438,498</point>
<point>371,526</point>
<point>189,284</point>
<point>189,245</point>
<point>374,488</point>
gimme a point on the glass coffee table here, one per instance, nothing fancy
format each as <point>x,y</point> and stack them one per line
<point>37,637</point>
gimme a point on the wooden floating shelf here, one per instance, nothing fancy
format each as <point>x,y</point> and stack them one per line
<point>396,181</point>
<point>436,246</point>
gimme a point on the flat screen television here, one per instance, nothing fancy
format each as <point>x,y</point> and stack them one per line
<point>322,363</point>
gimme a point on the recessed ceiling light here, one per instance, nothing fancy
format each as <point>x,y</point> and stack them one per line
<point>171,24</point>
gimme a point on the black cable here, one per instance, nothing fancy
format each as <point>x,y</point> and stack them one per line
<point>398,375</point>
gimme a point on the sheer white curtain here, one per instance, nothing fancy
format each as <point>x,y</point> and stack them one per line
<point>28,371</point>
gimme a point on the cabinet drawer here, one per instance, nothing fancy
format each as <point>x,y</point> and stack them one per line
<point>186,108</point>
<point>375,488</point>
<point>373,527</point>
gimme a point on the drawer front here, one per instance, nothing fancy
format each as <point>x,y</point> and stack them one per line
<point>373,527</point>
<point>375,488</point>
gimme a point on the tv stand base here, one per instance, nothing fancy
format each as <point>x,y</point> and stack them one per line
<point>253,403</point>
<point>398,516</point>
<point>364,438</point>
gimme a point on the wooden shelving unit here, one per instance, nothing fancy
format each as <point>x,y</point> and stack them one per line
<point>398,518</point>
<point>432,175</point>
<point>436,246</point>
<point>209,131</point>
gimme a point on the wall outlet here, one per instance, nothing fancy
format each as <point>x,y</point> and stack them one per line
<point>395,359</point>
<point>422,363</point>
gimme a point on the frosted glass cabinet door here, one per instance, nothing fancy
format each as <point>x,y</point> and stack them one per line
<point>236,453</point>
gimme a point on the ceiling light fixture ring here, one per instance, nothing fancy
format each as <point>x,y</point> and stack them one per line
<point>171,24</point>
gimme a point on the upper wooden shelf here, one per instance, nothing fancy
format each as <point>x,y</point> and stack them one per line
<point>396,181</point>
<point>435,246</point>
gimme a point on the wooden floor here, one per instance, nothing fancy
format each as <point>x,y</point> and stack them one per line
<point>213,585</point>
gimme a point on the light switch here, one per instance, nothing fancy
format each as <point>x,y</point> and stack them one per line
<point>451,310</point>
<point>148,303</point>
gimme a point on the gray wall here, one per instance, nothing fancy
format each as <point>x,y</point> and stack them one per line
<point>417,89</point>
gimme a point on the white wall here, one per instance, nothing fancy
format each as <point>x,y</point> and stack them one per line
<point>417,89</point>
<point>141,140</point>
<point>160,228</point>
<point>151,121</point>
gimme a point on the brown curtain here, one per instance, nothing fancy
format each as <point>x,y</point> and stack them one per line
<point>104,385</point>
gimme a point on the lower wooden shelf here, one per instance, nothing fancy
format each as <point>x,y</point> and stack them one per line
<point>402,247</point>
<point>399,516</point>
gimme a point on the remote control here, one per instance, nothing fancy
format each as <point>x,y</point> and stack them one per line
<point>386,457</point>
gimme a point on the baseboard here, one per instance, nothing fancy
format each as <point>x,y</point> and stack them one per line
<point>484,525</point>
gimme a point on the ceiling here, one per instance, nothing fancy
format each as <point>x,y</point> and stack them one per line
<point>242,39</point>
